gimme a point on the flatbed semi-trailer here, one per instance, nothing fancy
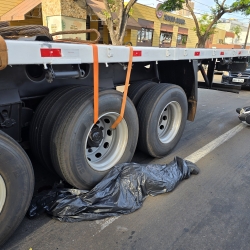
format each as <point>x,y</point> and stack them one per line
<point>61,100</point>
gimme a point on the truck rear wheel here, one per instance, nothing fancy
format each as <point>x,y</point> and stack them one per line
<point>44,119</point>
<point>16,185</point>
<point>162,113</point>
<point>137,89</point>
<point>83,152</point>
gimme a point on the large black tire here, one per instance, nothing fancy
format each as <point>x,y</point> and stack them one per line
<point>16,185</point>
<point>137,89</point>
<point>71,139</point>
<point>162,113</point>
<point>43,120</point>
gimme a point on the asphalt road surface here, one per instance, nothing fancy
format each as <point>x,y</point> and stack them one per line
<point>207,211</point>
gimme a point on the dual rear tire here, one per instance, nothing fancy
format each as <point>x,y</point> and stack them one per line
<point>79,151</point>
<point>82,152</point>
<point>67,141</point>
<point>162,112</point>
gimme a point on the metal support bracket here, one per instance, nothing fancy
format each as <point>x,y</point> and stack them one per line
<point>109,52</point>
<point>7,121</point>
<point>77,72</point>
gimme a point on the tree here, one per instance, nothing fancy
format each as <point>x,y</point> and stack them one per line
<point>204,22</point>
<point>117,13</point>
<point>237,30</point>
<point>217,12</point>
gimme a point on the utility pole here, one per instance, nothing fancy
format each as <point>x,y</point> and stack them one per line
<point>247,35</point>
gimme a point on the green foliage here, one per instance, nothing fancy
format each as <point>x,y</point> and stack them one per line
<point>131,10</point>
<point>204,22</point>
<point>242,6</point>
<point>114,7</point>
<point>116,14</point>
<point>106,14</point>
<point>237,30</point>
<point>171,5</point>
<point>184,40</point>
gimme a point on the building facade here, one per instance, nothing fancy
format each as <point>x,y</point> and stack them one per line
<point>229,25</point>
<point>146,27</point>
<point>161,29</point>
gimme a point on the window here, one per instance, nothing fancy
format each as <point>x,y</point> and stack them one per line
<point>166,38</point>
<point>145,37</point>
<point>181,39</point>
<point>100,29</point>
<point>88,27</point>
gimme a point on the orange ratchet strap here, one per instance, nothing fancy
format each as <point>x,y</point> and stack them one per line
<point>96,85</point>
<point>124,99</point>
<point>96,82</point>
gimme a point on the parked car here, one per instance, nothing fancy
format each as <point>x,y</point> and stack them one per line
<point>237,78</point>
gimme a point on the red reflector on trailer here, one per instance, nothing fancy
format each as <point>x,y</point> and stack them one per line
<point>197,53</point>
<point>222,53</point>
<point>239,52</point>
<point>51,53</point>
<point>137,53</point>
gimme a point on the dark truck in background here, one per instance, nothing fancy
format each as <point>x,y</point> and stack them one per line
<point>237,78</point>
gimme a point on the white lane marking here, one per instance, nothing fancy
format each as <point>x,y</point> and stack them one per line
<point>106,222</point>
<point>121,229</point>
<point>196,156</point>
<point>200,153</point>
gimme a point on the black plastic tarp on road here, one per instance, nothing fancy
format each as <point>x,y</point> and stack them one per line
<point>122,191</point>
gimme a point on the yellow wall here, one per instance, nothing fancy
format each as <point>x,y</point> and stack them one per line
<point>105,34</point>
<point>7,5</point>
<point>93,25</point>
<point>56,7</point>
<point>127,36</point>
<point>148,13</point>
<point>133,38</point>
<point>219,35</point>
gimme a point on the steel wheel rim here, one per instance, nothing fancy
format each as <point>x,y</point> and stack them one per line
<point>111,147</point>
<point>2,193</point>
<point>169,122</point>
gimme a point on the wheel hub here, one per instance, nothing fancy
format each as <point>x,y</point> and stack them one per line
<point>104,146</point>
<point>169,122</point>
<point>2,193</point>
<point>95,137</point>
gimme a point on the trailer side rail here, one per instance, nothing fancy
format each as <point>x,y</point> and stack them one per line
<point>37,52</point>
